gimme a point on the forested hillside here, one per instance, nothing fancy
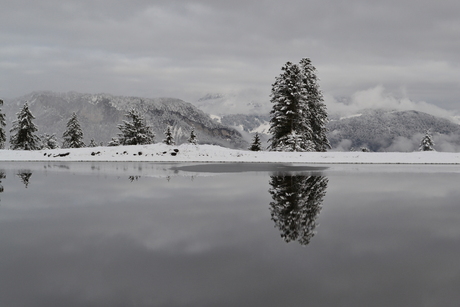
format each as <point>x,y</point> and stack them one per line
<point>100,114</point>
<point>385,130</point>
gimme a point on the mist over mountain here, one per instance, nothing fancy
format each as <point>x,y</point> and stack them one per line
<point>390,130</point>
<point>243,102</point>
<point>100,114</point>
<point>375,129</point>
<point>248,125</point>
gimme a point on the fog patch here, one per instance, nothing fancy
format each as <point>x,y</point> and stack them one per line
<point>379,98</point>
<point>442,143</point>
<point>344,145</point>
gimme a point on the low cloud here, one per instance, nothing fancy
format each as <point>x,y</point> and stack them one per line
<point>442,143</point>
<point>344,145</point>
<point>379,98</point>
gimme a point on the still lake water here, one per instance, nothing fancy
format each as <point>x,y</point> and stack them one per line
<point>144,234</point>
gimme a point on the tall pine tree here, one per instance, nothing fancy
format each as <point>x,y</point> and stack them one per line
<point>73,136</point>
<point>23,131</point>
<point>317,108</point>
<point>135,131</point>
<point>298,117</point>
<point>2,127</point>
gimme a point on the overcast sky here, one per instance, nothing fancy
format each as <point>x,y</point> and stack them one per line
<point>400,50</point>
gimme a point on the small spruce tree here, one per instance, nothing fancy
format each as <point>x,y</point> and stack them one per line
<point>427,143</point>
<point>114,142</point>
<point>23,131</point>
<point>135,131</point>
<point>92,143</point>
<point>73,136</point>
<point>169,140</point>
<point>49,141</point>
<point>256,144</point>
<point>192,139</point>
<point>2,127</point>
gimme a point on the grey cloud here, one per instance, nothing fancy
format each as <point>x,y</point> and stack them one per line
<point>186,49</point>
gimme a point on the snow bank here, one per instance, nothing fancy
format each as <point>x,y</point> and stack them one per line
<point>209,153</point>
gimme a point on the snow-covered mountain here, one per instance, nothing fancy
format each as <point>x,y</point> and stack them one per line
<point>248,125</point>
<point>378,130</point>
<point>100,114</point>
<point>389,130</point>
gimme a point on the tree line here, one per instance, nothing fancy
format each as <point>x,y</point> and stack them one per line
<point>298,120</point>
<point>133,131</point>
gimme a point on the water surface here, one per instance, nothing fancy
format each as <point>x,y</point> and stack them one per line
<point>142,234</point>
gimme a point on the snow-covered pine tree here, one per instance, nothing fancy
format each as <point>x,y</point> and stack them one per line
<point>298,117</point>
<point>2,127</point>
<point>256,144</point>
<point>192,139</point>
<point>289,109</point>
<point>114,142</point>
<point>135,131</point>
<point>169,140</point>
<point>49,141</point>
<point>73,136</point>
<point>92,143</point>
<point>427,143</point>
<point>2,176</point>
<point>317,109</point>
<point>23,131</point>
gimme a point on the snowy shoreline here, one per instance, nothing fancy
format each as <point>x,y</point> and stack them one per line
<point>216,154</point>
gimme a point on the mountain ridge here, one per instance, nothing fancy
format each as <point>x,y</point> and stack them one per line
<point>100,115</point>
<point>374,129</point>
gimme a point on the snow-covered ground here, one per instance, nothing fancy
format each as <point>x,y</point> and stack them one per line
<point>209,153</point>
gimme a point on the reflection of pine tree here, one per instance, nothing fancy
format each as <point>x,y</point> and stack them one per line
<point>2,128</point>
<point>296,205</point>
<point>25,177</point>
<point>2,176</point>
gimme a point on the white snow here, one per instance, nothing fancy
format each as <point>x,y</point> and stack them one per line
<point>351,116</point>
<point>263,128</point>
<point>209,153</point>
<point>216,118</point>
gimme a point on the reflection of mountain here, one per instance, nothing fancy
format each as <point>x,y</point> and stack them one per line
<point>25,177</point>
<point>296,205</point>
